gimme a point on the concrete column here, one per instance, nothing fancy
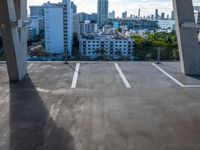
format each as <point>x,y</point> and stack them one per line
<point>14,37</point>
<point>189,47</point>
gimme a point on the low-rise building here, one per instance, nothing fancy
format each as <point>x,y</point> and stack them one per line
<point>108,46</point>
<point>88,27</point>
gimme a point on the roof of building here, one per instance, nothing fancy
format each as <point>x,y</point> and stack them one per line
<point>44,112</point>
<point>105,36</point>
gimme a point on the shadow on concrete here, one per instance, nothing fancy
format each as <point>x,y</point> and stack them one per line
<point>31,127</point>
<point>174,70</point>
<point>197,77</point>
<point>72,67</point>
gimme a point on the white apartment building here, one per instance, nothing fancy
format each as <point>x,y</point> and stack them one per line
<point>115,46</point>
<point>58,27</point>
<point>68,26</point>
<point>88,28</point>
<point>83,28</point>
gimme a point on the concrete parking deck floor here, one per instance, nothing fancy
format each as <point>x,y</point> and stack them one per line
<point>43,112</point>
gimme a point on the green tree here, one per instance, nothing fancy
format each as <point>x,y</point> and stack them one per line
<point>143,47</point>
<point>119,30</point>
<point>2,56</point>
<point>153,45</point>
<point>158,44</point>
<point>175,54</point>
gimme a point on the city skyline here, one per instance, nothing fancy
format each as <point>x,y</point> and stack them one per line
<point>147,7</point>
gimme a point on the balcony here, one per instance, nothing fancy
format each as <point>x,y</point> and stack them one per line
<point>158,110</point>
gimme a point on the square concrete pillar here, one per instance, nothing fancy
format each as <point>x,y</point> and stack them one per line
<point>14,35</point>
<point>189,47</point>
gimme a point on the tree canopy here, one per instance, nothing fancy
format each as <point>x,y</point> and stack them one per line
<point>146,46</point>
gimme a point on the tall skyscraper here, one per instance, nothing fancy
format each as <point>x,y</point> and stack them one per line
<point>167,17</point>
<point>102,12</point>
<point>68,26</point>
<point>156,14</point>
<point>76,23</point>
<point>74,7</point>
<point>124,15</point>
<point>112,15</point>
<point>152,17</point>
<point>85,16</point>
<point>113,12</point>
<point>58,27</point>
<point>172,15</point>
<point>139,11</point>
<point>162,16</point>
<point>37,11</point>
<point>37,15</point>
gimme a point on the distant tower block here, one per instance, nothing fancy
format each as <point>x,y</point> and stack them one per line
<point>14,34</point>
<point>139,11</point>
<point>189,47</point>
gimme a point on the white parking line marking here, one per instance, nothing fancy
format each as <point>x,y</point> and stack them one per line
<point>168,75</point>
<point>29,66</point>
<point>175,80</point>
<point>192,86</point>
<point>122,76</point>
<point>75,78</point>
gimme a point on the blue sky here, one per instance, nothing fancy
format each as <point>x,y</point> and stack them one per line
<point>132,6</point>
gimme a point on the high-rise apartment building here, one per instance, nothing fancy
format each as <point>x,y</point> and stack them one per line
<point>37,15</point>
<point>88,28</point>
<point>58,27</point>
<point>85,16</point>
<point>172,15</point>
<point>167,17</point>
<point>111,15</point>
<point>102,12</point>
<point>139,11</point>
<point>68,26</point>
<point>74,7</point>
<point>162,16</point>
<point>156,14</point>
<point>37,11</point>
<point>124,15</point>
<point>152,17</point>
<point>76,24</point>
